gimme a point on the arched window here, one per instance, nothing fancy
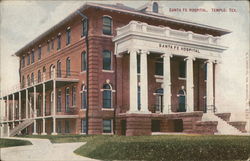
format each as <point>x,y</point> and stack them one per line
<point>68,67</point>
<point>59,72</point>
<point>51,72</point>
<point>84,97</point>
<point>32,78</point>
<point>39,76</point>
<point>106,60</point>
<point>59,100</point>
<point>28,79</point>
<point>68,36</point>
<point>155,7</point>
<point>159,100</point>
<point>107,25</point>
<point>32,56</point>
<point>28,62</point>
<point>73,96</point>
<point>84,61</point>
<point>182,100</point>
<point>44,73</point>
<point>107,96</point>
<point>159,67</point>
<point>67,101</point>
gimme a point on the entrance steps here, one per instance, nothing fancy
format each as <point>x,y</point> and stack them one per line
<point>223,126</point>
<point>20,127</point>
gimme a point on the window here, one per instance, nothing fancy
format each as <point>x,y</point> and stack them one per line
<point>48,46</point>
<point>182,69</point>
<point>74,96</point>
<point>59,126</point>
<point>107,96</point>
<point>68,36</point>
<point>83,125</point>
<point>39,76</point>
<point>84,97</point>
<point>84,61</point>
<point>107,126</point>
<point>32,56</point>
<point>23,61</point>
<point>84,27</point>
<point>155,7</point>
<point>159,67</point>
<point>106,60</point>
<point>39,53</point>
<point>28,79</point>
<point>107,25</point>
<point>59,72</point>
<point>182,100</point>
<point>51,101</point>
<point>51,72</point>
<point>32,78</point>
<point>58,42</point>
<point>67,125</point>
<point>139,98</point>
<point>159,100</point>
<point>67,99</point>
<point>138,64</point>
<point>68,67</point>
<point>28,62</point>
<point>59,101</point>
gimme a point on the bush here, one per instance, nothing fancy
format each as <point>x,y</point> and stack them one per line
<point>13,142</point>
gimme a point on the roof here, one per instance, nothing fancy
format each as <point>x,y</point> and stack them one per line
<point>119,8</point>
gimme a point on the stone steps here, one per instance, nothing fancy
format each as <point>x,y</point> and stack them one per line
<point>223,126</point>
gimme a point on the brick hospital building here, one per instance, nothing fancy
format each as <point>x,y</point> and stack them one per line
<point>112,69</point>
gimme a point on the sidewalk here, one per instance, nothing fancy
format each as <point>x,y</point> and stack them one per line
<point>42,150</point>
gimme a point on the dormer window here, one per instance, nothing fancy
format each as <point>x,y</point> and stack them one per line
<point>155,7</point>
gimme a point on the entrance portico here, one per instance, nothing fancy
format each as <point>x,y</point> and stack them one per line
<point>141,40</point>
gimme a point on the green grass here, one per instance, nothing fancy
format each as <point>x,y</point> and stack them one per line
<point>12,142</point>
<point>157,148</point>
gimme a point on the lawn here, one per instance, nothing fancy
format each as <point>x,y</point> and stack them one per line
<point>161,148</point>
<point>12,142</point>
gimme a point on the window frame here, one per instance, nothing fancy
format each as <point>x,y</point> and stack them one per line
<point>83,126</point>
<point>32,56</point>
<point>83,92</point>
<point>84,27</point>
<point>111,126</point>
<point>68,64</point>
<point>68,36</point>
<point>59,69</point>
<point>67,99</point>
<point>104,99</point>
<point>59,101</point>
<point>159,62</point>
<point>73,92</point>
<point>155,7</point>
<point>39,50</point>
<point>83,61</point>
<point>59,44</point>
<point>110,26</point>
<point>182,70</point>
<point>103,60</point>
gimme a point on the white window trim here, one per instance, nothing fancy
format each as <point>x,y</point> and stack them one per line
<point>112,132</point>
<point>111,89</point>
<point>159,76</point>
<point>111,35</point>
<point>181,78</point>
<point>108,71</point>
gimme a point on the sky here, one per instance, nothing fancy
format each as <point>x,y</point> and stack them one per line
<point>23,21</point>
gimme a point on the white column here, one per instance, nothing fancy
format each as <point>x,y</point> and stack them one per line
<point>190,84</point>
<point>19,106</point>
<point>144,81</point>
<point>166,84</point>
<point>8,129</point>
<point>133,82</point>
<point>43,132</point>
<point>13,110</point>
<point>210,85</point>
<point>8,108</point>
<point>34,128</point>
<point>54,107</point>
<point>26,103</point>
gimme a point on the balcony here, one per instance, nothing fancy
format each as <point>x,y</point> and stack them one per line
<point>62,78</point>
<point>166,32</point>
